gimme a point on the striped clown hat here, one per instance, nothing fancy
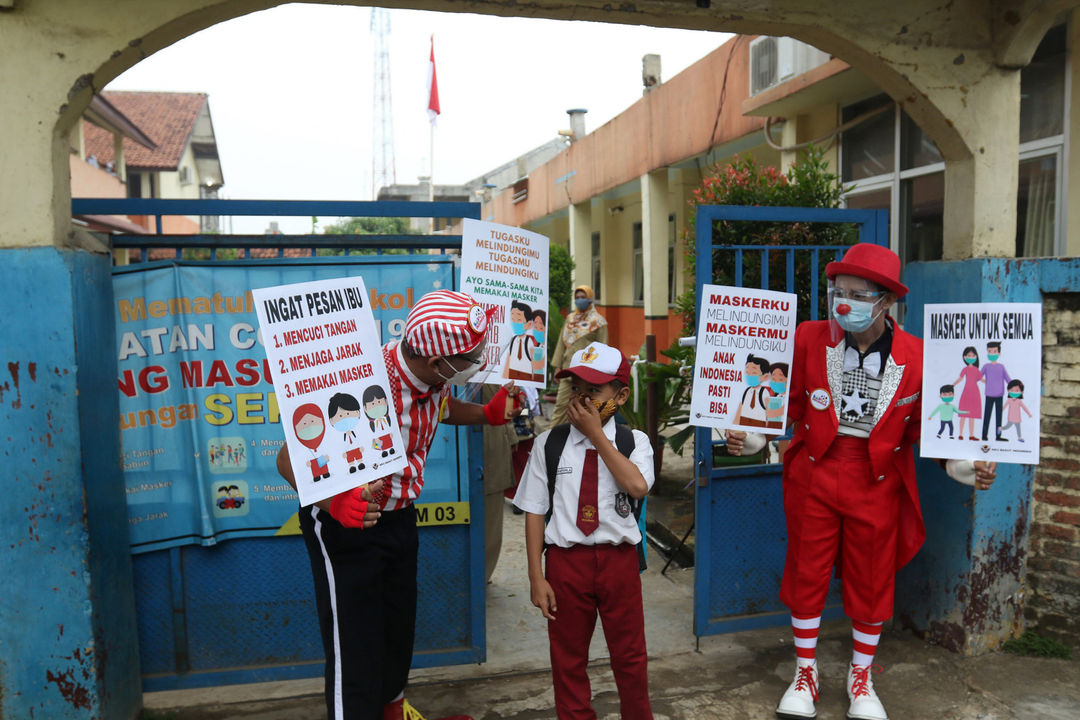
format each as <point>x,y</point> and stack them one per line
<point>445,322</point>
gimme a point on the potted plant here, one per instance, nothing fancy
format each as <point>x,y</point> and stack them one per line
<point>674,381</point>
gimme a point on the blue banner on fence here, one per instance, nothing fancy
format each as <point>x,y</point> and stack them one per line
<point>198,417</point>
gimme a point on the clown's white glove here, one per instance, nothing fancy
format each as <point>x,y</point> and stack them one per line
<point>753,443</point>
<point>962,471</point>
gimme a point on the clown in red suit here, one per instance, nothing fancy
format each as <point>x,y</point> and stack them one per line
<point>850,495</point>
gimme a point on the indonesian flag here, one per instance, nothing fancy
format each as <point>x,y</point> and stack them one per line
<point>433,87</point>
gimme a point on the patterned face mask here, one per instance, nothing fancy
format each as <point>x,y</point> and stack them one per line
<point>606,408</point>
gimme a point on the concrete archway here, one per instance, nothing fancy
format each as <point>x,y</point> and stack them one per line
<point>954,67</point>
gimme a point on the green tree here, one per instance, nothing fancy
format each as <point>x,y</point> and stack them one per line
<point>560,274</point>
<point>808,183</point>
<point>368,226</point>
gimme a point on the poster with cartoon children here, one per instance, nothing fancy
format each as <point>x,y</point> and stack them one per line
<point>745,343</point>
<point>324,352</point>
<point>982,367</point>
<point>506,269</point>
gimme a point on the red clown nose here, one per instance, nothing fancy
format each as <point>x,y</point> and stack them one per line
<point>843,309</point>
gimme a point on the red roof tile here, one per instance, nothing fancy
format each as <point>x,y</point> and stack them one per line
<point>167,118</point>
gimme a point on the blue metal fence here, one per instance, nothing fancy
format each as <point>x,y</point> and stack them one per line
<point>243,611</point>
<point>350,243</point>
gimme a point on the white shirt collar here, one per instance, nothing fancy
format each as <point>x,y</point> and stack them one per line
<point>577,437</point>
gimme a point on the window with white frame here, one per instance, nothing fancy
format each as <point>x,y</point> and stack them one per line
<point>595,246</point>
<point>639,266</point>
<point>671,259</point>
<point>889,163</point>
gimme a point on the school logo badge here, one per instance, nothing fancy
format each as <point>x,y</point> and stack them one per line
<point>589,355</point>
<point>985,448</point>
<point>589,514</point>
<point>477,319</point>
<point>820,399</point>
<point>622,504</point>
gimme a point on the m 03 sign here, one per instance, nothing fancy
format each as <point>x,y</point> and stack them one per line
<point>448,513</point>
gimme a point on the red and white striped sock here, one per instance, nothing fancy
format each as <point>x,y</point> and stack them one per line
<point>865,638</point>
<point>805,629</point>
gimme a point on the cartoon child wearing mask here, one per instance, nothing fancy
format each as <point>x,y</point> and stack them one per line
<point>754,401</point>
<point>539,333</point>
<point>309,427</point>
<point>519,357</point>
<point>774,412</point>
<point>344,414</point>
<point>376,407</point>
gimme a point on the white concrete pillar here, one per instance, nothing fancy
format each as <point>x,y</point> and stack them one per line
<point>980,187</point>
<point>581,242</point>
<point>654,244</point>
<point>35,185</point>
<point>789,136</point>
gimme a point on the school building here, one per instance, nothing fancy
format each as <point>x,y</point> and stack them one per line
<point>618,197</point>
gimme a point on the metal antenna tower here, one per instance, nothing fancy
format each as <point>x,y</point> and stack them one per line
<point>383,172</point>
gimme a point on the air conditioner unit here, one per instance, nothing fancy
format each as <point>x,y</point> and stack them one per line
<point>185,175</point>
<point>774,60</point>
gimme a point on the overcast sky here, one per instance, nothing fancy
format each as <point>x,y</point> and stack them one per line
<point>291,92</point>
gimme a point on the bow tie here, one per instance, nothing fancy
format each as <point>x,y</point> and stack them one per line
<point>871,363</point>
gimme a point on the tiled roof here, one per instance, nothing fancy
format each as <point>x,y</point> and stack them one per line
<point>167,118</point>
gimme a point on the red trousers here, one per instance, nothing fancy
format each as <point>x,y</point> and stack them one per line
<point>519,457</point>
<point>587,579</point>
<point>835,507</point>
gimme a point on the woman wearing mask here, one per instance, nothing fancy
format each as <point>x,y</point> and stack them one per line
<point>583,325</point>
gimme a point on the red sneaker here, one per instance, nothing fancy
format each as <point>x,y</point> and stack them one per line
<point>394,710</point>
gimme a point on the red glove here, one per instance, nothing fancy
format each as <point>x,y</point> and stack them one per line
<point>495,409</point>
<point>349,508</point>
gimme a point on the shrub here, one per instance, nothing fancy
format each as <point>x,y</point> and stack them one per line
<point>808,183</point>
<point>1032,644</point>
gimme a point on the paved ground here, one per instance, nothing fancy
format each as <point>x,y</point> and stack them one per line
<point>730,677</point>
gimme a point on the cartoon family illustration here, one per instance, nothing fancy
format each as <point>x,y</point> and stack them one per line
<point>997,384</point>
<point>525,357</point>
<point>343,410</point>
<point>762,401</point>
<point>227,455</point>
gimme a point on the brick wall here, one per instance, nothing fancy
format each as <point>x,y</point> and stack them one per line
<point>1053,603</point>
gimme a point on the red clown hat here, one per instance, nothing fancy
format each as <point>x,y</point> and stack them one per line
<point>871,262</point>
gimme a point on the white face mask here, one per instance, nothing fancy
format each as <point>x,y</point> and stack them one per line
<point>460,377</point>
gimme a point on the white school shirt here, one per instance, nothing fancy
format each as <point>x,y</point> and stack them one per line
<point>562,529</point>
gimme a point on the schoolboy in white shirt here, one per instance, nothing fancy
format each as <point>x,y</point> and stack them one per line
<point>591,538</point>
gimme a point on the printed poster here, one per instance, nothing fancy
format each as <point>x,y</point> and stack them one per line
<point>330,379</point>
<point>199,419</point>
<point>506,270</point>
<point>982,370</point>
<point>745,343</point>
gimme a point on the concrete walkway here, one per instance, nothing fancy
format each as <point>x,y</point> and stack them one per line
<point>733,677</point>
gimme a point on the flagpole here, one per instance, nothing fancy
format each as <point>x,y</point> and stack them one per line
<point>431,177</point>
<point>433,114</point>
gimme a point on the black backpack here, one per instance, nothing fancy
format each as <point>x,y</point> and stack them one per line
<point>624,442</point>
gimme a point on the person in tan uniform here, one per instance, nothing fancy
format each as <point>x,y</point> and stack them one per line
<point>499,441</point>
<point>583,325</point>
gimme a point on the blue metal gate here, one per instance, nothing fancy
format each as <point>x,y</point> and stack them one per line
<point>244,610</point>
<point>739,510</point>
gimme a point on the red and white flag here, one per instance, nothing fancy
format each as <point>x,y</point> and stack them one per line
<point>433,87</point>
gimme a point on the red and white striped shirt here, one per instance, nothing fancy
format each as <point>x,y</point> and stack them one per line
<point>417,405</point>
